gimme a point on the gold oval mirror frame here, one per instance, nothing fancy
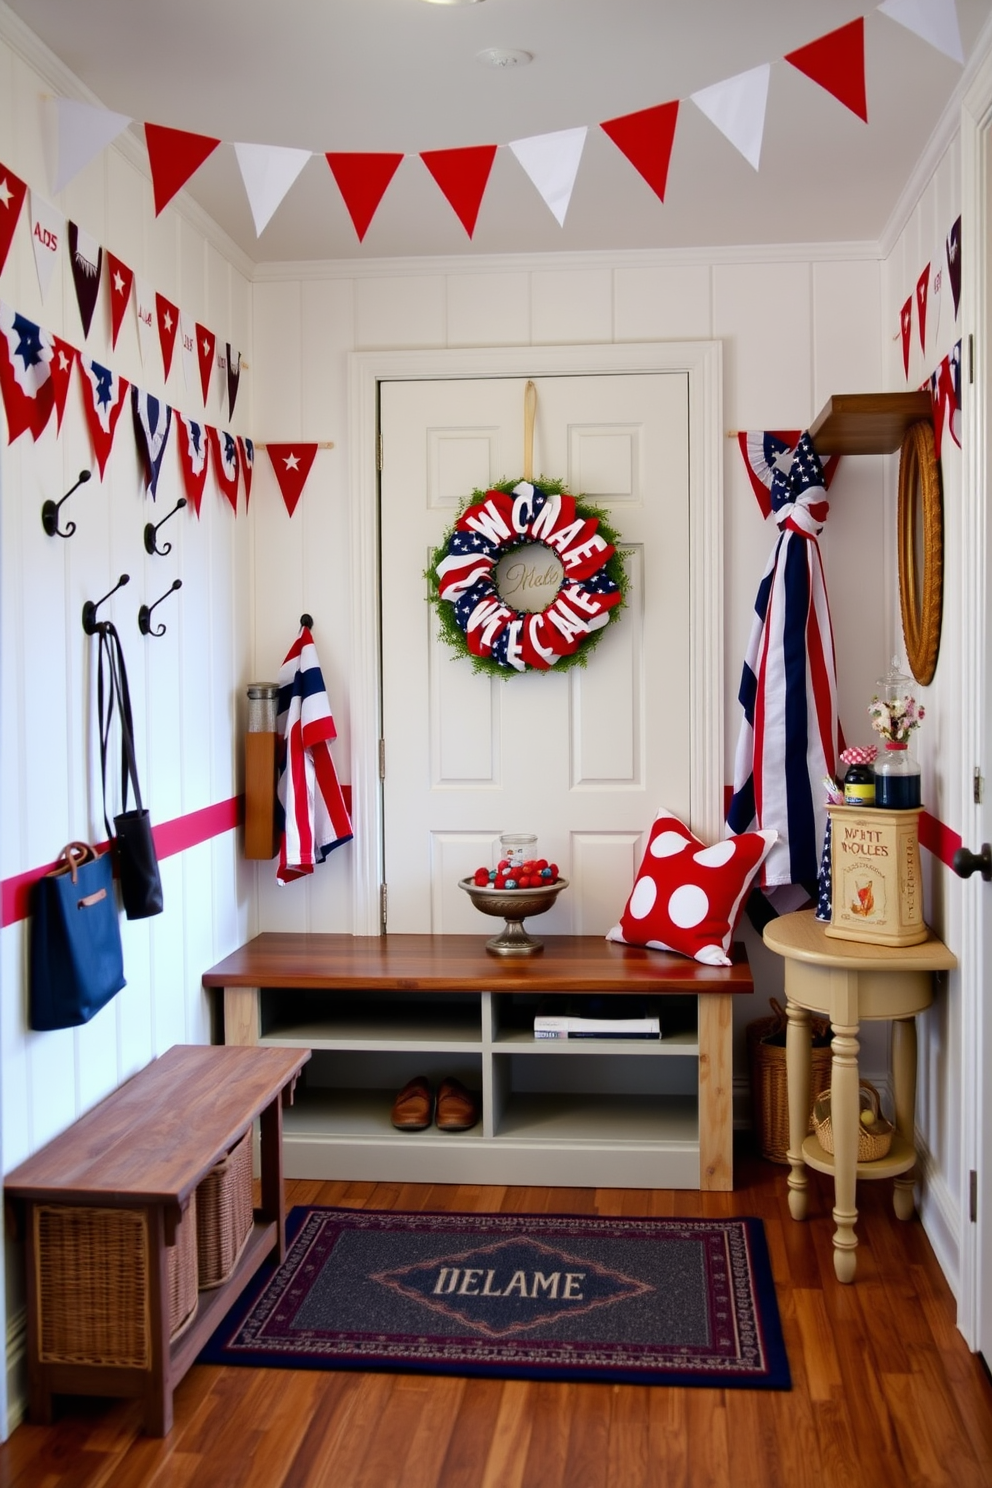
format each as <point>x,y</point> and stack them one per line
<point>921,550</point>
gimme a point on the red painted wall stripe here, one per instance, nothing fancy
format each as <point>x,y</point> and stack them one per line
<point>938,839</point>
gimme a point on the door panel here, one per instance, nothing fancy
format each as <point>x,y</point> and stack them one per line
<point>583,758</point>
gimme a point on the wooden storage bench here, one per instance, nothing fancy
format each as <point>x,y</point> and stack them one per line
<point>105,1206</point>
<point>376,1010</point>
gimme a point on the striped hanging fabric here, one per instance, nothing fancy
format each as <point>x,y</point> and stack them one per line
<point>790,735</point>
<point>315,818</point>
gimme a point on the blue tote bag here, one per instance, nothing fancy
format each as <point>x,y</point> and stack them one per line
<point>76,961</point>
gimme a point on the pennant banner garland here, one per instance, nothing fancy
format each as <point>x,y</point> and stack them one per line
<point>362,181</point>
<point>12,193</point>
<point>82,132</point>
<point>121,282</point>
<point>225,464</point>
<point>291,463</point>
<point>206,348</point>
<point>922,289</point>
<point>954,263</point>
<point>462,175</point>
<point>86,257</point>
<point>268,172</point>
<point>152,422</point>
<point>147,313</point>
<point>174,155</point>
<point>64,358</point>
<point>25,374</point>
<point>47,235</point>
<point>837,62</point>
<point>192,441</point>
<point>246,449</point>
<point>737,108</point>
<point>906,331</point>
<point>104,393</point>
<point>233,366</point>
<point>167,318</point>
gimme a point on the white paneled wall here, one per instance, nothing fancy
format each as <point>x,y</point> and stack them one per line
<point>187,685</point>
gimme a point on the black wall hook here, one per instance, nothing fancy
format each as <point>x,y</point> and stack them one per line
<point>151,529</point>
<point>90,624</point>
<point>50,510</point>
<point>145,613</point>
<point>306,620</point>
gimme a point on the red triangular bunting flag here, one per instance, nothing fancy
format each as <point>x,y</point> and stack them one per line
<point>12,193</point>
<point>362,181</point>
<point>246,448</point>
<point>173,156</point>
<point>462,175</point>
<point>104,395</point>
<point>225,464</point>
<point>121,282</point>
<point>646,139</point>
<point>63,360</point>
<point>905,329</point>
<point>922,289</point>
<point>167,315</point>
<point>291,463</point>
<point>192,441</point>
<point>206,345</point>
<point>837,62</point>
<point>25,374</point>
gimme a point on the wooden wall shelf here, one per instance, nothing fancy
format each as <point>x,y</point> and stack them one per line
<point>867,423</point>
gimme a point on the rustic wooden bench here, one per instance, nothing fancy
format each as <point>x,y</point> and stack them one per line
<point>386,995</point>
<point>142,1152</point>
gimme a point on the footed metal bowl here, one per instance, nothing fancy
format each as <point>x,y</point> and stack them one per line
<point>514,905</point>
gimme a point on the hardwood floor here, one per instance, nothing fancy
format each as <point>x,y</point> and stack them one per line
<point>884,1391</point>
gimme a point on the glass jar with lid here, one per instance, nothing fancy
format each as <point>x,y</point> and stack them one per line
<point>895,714</point>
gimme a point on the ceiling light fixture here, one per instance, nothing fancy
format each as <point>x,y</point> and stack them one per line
<point>498,57</point>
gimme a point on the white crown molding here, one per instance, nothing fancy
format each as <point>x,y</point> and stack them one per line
<point>64,83</point>
<point>947,128</point>
<point>535,263</point>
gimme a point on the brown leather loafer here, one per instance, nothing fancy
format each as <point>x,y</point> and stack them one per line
<point>414,1106</point>
<point>456,1107</point>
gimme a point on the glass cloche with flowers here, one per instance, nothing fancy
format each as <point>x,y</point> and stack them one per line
<point>894,714</point>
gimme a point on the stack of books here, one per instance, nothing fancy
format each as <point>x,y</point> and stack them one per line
<point>596,1018</point>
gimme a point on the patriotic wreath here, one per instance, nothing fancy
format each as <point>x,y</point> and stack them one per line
<point>584,569</point>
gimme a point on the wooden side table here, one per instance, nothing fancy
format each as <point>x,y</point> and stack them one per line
<point>850,981</point>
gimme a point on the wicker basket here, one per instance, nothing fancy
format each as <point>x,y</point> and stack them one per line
<point>874,1140</point>
<point>769,1087</point>
<point>93,1268</point>
<point>225,1215</point>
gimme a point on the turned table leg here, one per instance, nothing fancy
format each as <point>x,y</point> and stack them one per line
<point>798,1044</point>
<point>845,1119</point>
<point>904,1091</point>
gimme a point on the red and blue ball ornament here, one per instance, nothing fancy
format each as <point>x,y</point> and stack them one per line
<point>527,579</point>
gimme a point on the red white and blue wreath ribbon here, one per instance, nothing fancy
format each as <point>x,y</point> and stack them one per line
<point>502,521</point>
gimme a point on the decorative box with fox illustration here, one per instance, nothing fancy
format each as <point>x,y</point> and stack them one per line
<point>877,890</point>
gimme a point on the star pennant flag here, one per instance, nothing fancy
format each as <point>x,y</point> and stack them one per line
<point>954,263</point>
<point>12,194</point>
<point>462,175</point>
<point>233,368</point>
<point>837,63</point>
<point>187,341</point>
<point>86,257</point>
<point>192,440</point>
<point>906,331</point>
<point>47,236</point>
<point>152,422</point>
<point>922,289</point>
<point>646,139</point>
<point>291,463</point>
<point>63,360</point>
<point>268,172</point>
<point>362,181</point>
<point>25,374</point>
<point>552,163</point>
<point>936,21</point>
<point>246,448</point>
<point>146,312</point>
<point>206,348</point>
<point>737,108</point>
<point>82,131</point>
<point>945,394</point>
<point>104,395</point>
<point>225,464</point>
<point>121,283</point>
<point>167,320</point>
<point>174,155</point>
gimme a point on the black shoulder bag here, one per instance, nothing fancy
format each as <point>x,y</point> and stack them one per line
<point>137,863</point>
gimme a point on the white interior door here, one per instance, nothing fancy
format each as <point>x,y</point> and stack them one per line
<point>583,759</point>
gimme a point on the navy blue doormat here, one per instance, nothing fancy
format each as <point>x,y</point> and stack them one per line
<point>524,1296</point>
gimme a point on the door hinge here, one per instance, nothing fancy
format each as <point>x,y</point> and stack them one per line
<point>382,759</point>
<point>973,1196</point>
<point>971,358</point>
<point>382,905</point>
<point>979,786</point>
<point>378,450</point>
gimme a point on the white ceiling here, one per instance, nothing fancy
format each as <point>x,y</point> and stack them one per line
<point>401,75</point>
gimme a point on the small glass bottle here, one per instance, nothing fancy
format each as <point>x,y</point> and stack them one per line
<point>859,781</point>
<point>897,773</point>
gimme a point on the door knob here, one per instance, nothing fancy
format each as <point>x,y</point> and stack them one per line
<point>966,863</point>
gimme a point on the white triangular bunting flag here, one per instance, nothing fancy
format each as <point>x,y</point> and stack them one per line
<point>187,340</point>
<point>83,131</point>
<point>268,171</point>
<point>47,237</point>
<point>737,108</point>
<point>144,306</point>
<point>936,21</point>
<point>552,162</point>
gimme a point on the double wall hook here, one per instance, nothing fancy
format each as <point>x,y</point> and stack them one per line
<point>90,623</point>
<point>50,510</point>
<point>145,613</point>
<point>151,529</point>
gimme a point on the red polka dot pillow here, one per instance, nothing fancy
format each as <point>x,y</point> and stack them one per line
<point>688,897</point>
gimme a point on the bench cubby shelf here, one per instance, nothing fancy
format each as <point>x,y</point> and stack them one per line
<point>589,1112</point>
